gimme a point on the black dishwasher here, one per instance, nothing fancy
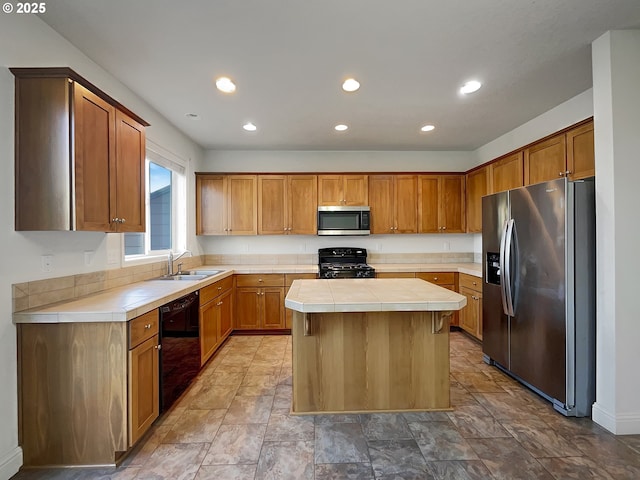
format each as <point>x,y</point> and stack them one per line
<point>180,352</point>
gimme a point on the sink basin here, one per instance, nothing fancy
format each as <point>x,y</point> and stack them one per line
<point>182,276</point>
<point>208,273</point>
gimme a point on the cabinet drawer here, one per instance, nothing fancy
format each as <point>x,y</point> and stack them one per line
<point>256,280</point>
<point>143,327</point>
<point>471,282</point>
<point>210,292</point>
<point>290,277</point>
<point>395,275</point>
<point>439,278</point>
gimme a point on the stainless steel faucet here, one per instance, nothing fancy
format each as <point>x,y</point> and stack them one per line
<point>172,259</point>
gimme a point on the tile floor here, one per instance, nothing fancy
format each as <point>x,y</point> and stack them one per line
<point>234,423</point>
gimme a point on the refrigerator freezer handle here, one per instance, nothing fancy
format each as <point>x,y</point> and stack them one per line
<point>503,284</point>
<point>507,267</point>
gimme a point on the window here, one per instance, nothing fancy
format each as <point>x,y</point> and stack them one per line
<point>166,209</point>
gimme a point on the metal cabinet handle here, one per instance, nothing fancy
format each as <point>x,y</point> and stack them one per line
<point>147,326</point>
<point>158,347</point>
<point>435,278</point>
<point>219,288</point>
<point>260,280</point>
<point>122,220</point>
<point>218,304</point>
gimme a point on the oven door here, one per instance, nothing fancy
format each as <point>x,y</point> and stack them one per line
<point>341,220</point>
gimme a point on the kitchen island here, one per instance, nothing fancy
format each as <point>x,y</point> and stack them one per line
<point>370,345</point>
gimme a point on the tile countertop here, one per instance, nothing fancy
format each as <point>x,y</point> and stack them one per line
<point>124,303</point>
<point>371,295</point>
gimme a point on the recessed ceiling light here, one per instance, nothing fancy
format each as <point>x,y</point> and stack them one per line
<point>249,127</point>
<point>470,87</point>
<point>350,85</point>
<point>341,128</point>
<point>192,116</point>
<point>427,128</point>
<point>224,84</point>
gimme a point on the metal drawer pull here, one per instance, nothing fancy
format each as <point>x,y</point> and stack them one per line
<point>147,326</point>
<point>158,347</point>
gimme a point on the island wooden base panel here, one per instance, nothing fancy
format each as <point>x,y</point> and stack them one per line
<point>370,362</point>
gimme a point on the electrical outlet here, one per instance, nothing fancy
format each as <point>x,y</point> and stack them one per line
<point>446,246</point>
<point>88,257</point>
<point>47,263</point>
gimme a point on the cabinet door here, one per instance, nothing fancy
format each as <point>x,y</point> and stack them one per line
<point>356,190</point>
<point>225,317</point>
<point>381,203</point>
<point>468,315</point>
<point>208,330</point>
<point>477,186</point>
<point>272,204</point>
<point>330,190</point>
<point>130,175</point>
<point>95,195</point>
<point>272,299</point>
<point>545,160</point>
<point>302,197</point>
<point>580,152</point>
<point>507,173</point>
<point>144,391</point>
<point>211,205</point>
<point>428,204</point>
<point>451,203</point>
<point>242,214</point>
<point>406,204</point>
<point>247,311</point>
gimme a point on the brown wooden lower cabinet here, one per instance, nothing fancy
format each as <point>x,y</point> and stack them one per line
<point>259,303</point>
<point>448,280</point>
<point>395,275</point>
<point>216,316</point>
<point>471,314</point>
<point>87,391</point>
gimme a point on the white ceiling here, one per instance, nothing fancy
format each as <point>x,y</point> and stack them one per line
<point>289,57</point>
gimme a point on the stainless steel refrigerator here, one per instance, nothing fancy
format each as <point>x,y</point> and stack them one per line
<point>538,249</point>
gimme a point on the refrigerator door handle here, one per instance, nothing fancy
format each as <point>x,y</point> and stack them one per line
<point>503,284</point>
<point>507,267</point>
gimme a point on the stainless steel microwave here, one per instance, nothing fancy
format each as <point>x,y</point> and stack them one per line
<point>342,220</point>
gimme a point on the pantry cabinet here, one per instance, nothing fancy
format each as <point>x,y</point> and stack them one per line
<point>393,200</point>
<point>287,204</point>
<point>477,185</point>
<point>79,156</point>
<point>226,204</point>
<point>259,302</point>
<point>441,204</point>
<point>343,190</point>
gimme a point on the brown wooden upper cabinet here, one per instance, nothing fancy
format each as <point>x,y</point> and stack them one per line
<point>63,124</point>
<point>287,204</point>
<point>580,152</point>
<point>441,204</point>
<point>477,186</point>
<point>569,154</point>
<point>545,160</point>
<point>393,201</point>
<point>226,204</point>
<point>343,190</point>
<point>507,173</point>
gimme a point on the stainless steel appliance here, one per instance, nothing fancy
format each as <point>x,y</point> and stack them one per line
<point>180,352</point>
<point>342,262</point>
<point>538,247</point>
<point>343,220</point>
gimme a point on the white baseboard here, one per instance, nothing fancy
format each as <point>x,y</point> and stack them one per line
<point>623,424</point>
<point>10,463</point>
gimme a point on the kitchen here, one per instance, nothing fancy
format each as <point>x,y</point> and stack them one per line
<point>27,41</point>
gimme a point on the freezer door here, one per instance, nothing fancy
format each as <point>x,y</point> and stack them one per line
<point>538,326</point>
<point>495,323</point>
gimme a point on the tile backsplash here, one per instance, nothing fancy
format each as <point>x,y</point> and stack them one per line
<point>51,290</point>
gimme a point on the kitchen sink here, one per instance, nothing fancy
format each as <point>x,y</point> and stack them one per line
<point>208,273</point>
<point>182,276</point>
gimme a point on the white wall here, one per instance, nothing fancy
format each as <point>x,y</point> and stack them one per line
<point>567,113</point>
<point>616,76</point>
<point>25,41</point>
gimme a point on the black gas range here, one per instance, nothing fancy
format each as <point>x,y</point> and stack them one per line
<point>343,262</point>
